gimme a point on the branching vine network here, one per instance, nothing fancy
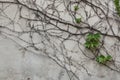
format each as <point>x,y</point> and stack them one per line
<point>58,30</point>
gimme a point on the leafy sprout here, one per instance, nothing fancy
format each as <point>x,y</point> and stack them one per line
<point>117,6</point>
<point>103,59</point>
<point>78,20</point>
<point>76,8</point>
<point>92,41</point>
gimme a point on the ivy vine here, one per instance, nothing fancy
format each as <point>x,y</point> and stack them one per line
<point>76,8</point>
<point>103,59</point>
<point>117,6</point>
<point>92,41</point>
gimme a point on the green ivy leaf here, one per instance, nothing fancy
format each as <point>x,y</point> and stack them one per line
<point>87,45</point>
<point>102,59</point>
<point>89,37</point>
<point>108,58</point>
<point>78,20</point>
<point>76,8</point>
<point>117,6</point>
<point>97,36</point>
<point>92,41</point>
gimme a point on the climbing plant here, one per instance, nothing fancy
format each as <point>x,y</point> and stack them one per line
<point>103,59</point>
<point>78,20</point>
<point>92,41</point>
<point>117,6</point>
<point>76,8</point>
<point>58,28</point>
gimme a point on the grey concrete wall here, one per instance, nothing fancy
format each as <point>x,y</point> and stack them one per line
<point>19,64</point>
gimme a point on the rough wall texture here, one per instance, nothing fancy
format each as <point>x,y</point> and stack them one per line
<point>32,48</point>
<point>15,65</point>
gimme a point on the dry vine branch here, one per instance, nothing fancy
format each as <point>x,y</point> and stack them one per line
<point>50,24</point>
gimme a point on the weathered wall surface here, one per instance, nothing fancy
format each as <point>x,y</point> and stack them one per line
<point>51,57</point>
<point>15,65</point>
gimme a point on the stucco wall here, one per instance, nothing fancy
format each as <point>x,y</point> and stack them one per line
<point>17,63</point>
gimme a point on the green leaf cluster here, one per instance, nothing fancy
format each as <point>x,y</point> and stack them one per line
<point>117,6</point>
<point>103,59</point>
<point>76,8</point>
<point>78,20</point>
<point>92,41</point>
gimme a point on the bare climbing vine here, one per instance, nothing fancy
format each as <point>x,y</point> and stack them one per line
<point>72,33</point>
